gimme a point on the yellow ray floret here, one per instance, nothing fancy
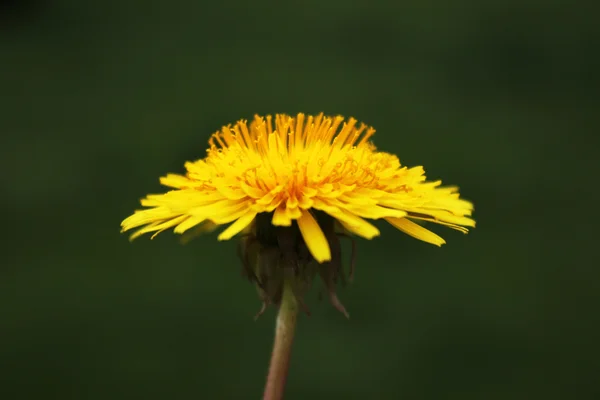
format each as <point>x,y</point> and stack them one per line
<point>293,165</point>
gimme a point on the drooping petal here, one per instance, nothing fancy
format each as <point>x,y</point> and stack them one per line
<point>314,237</point>
<point>352,222</point>
<point>157,227</point>
<point>237,226</point>
<point>189,223</point>
<point>416,231</point>
<point>280,217</point>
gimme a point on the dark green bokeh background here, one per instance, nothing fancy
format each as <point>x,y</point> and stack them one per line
<point>99,99</point>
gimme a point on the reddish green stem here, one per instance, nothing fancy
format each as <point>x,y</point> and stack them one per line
<point>282,348</point>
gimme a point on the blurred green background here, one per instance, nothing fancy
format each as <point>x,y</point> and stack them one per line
<point>99,99</point>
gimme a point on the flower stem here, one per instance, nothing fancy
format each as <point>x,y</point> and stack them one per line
<point>282,348</point>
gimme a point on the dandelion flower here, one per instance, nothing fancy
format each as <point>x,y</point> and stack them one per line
<point>290,168</point>
<point>291,187</point>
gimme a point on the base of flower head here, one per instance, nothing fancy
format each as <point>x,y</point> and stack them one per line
<point>271,254</point>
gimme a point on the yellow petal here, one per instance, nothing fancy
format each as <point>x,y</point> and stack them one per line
<point>230,192</point>
<point>313,237</point>
<point>237,226</point>
<point>176,181</point>
<point>188,223</point>
<point>143,217</point>
<point>158,226</point>
<point>375,212</point>
<point>251,191</point>
<point>293,213</point>
<point>438,216</point>
<point>416,231</point>
<point>139,232</point>
<point>226,216</point>
<point>280,217</point>
<point>352,222</point>
<point>449,225</point>
<point>221,207</point>
<point>360,230</point>
<point>356,224</point>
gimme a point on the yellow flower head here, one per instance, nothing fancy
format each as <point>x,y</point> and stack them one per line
<point>291,167</point>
